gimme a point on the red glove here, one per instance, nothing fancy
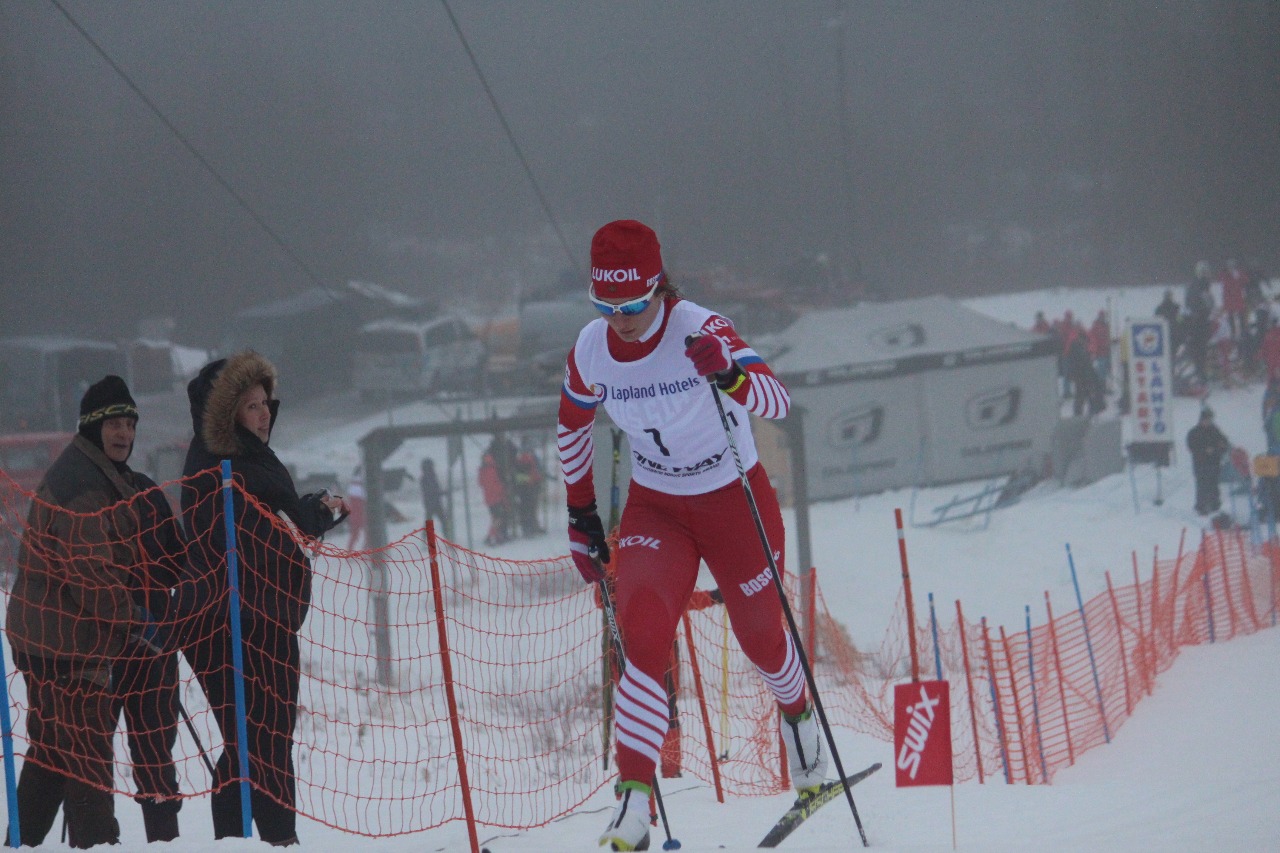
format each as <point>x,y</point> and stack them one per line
<point>709,354</point>
<point>587,543</point>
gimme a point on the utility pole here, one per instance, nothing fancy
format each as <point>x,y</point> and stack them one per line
<point>850,267</point>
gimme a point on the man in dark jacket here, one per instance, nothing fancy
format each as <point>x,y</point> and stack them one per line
<point>233,411</point>
<point>71,616</point>
<point>1207,445</point>
<point>146,673</point>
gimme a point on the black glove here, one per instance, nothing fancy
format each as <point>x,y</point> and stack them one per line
<point>587,543</point>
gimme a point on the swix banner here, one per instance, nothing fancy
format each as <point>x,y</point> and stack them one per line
<point>922,733</point>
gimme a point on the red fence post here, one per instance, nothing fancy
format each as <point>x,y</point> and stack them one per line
<point>1155,619</point>
<point>1017,706</point>
<point>1246,587</point>
<point>1062,682</point>
<point>811,615</point>
<point>968,680</point>
<point>446,672</point>
<point>1226,585</point>
<point>702,705</point>
<point>1124,657</point>
<point>995,702</point>
<point>1140,652</point>
<point>1173,597</point>
<point>906,586</point>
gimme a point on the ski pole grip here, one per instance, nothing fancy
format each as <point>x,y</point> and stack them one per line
<point>689,339</point>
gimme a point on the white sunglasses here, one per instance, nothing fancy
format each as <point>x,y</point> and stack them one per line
<point>630,308</point>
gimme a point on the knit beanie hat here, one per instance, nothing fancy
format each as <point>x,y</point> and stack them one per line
<point>107,398</point>
<point>626,260</point>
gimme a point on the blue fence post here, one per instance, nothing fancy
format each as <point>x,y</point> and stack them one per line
<point>933,624</point>
<point>1088,643</point>
<point>10,775</point>
<point>237,650</point>
<point>1035,701</point>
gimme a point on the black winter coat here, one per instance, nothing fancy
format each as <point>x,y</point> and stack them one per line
<point>1207,445</point>
<point>274,570</point>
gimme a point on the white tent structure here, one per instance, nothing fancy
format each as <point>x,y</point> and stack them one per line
<point>917,392</point>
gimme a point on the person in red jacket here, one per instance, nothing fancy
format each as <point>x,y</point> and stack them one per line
<point>496,498</point>
<point>1269,352</point>
<point>1233,280</point>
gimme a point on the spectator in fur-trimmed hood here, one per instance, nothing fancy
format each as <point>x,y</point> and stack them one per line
<point>233,413</point>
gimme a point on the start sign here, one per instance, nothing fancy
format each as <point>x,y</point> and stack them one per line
<point>1150,380</point>
<point>922,733</point>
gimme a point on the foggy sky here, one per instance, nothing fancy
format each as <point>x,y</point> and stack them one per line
<point>971,146</point>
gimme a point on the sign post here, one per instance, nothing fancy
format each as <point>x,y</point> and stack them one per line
<point>1150,417</point>
<point>921,714</point>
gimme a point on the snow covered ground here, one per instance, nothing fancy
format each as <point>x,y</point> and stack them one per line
<point>1197,768</point>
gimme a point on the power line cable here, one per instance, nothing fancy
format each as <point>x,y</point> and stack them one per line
<point>195,152</point>
<point>511,137</point>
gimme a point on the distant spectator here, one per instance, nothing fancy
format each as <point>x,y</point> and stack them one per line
<point>1199,296</point>
<point>1271,416</point>
<point>497,498</point>
<point>1269,352</point>
<point>432,495</point>
<point>1099,345</point>
<point>1223,346</point>
<point>527,481</point>
<point>1169,311</point>
<point>1065,328</point>
<point>1269,487</point>
<point>1199,328</point>
<point>1041,325</point>
<point>1250,349</point>
<point>1207,445</point>
<point>1233,280</point>
<point>1087,388</point>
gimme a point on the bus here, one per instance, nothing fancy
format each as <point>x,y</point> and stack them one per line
<point>405,358</point>
<point>42,379</point>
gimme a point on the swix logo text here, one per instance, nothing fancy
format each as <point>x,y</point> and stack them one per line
<point>917,735</point>
<point>641,541</point>
<point>617,276</point>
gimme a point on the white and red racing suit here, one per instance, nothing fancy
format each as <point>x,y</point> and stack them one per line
<point>685,504</point>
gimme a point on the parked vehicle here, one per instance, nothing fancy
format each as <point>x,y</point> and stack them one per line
<point>399,358</point>
<point>43,377</point>
<point>24,457</point>
<point>548,329</point>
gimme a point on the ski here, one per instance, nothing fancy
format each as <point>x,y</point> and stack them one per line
<point>806,804</point>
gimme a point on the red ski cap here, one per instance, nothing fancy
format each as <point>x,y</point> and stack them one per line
<point>626,260</point>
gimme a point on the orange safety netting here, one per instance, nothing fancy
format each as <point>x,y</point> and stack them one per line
<point>1026,704</point>
<point>439,684</point>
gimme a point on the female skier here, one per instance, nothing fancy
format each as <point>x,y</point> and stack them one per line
<point>649,360</point>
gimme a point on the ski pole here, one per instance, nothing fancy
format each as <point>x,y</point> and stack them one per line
<point>786,606</point>
<point>611,615</point>
<point>607,681</point>
<point>191,728</point>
